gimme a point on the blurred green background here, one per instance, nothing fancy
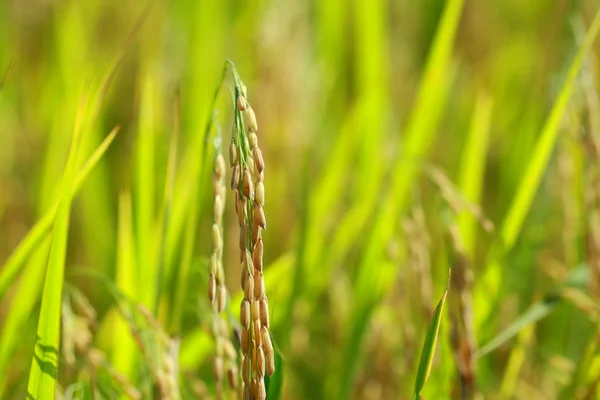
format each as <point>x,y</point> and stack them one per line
<point>393,133</point>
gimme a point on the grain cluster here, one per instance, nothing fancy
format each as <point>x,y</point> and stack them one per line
<point>247,182</point>
<point>225,360</point>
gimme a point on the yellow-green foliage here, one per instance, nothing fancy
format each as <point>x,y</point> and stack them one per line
<point>401,140</point>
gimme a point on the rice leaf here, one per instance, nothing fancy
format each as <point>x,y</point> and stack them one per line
<point>418,137</point>
<point>532,177</point>
<point>33,238</point>
<point>124,346</point>
<point>144,193</point>
<point>44,365</point>
<point>472,169</point>
<point>23,304</point>
<point>578,278</point>
<point>429,346</point>
<point>274,383</point>
<point>534,314</point>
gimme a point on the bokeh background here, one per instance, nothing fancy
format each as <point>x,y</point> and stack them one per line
<point>395,134</point>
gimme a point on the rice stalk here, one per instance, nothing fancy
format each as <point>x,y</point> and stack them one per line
<point>225,360</point>
<point>248,185</point>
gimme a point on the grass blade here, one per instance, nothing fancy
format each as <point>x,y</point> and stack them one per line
<point>12,267</point>
<point>544,147</point>
<point>530,182</point>
<point>274,383</point>
<point>429,346</point>
<point>44,365</point>
<point>12,337</point>
<point>419,135</point>
<point>534,314</point>
<point>578,278</point>
<point>124,346</point>
<point>472,169</point>
<point>144,193</point>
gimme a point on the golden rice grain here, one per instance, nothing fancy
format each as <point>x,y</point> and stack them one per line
<point>255,311</point>
<point>233,155</point>
<point>216,237</point>
<point>257,254</point>
<point>247,186</point>
<point>255,233</point>
<point>265,339</point>
<point>259,216</point>
<point>261,392</point>
<point>259,163</point>
<point>251,166</point>
<point>251,119</point>
<point>212,288</point>
<point>246,369</point>
<point>249,288</point>
<point>259,193</point>
<point>270,360</point>
<point>264,311</point>
<point>228,349</point>
<point>213,264</point>
<point>219,166</point>
<point>241,103</point>
<point>218,368</point>
<point>221,297</point>
<point>235,176</point>
<point>218,209</point>
<point>232,376</point>
<point>260,362</point>
<point>256,331</point>
<point>252,140</point>
<point>245,314</point>
<point>259,284</point>
<point>244,275</point>
<point>245,340</point>
<point>255,388</point>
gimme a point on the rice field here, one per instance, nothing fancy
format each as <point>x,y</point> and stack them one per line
<point>299,200</point>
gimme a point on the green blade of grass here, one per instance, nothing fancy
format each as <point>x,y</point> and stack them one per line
<point>274,383</point>
<point>534,314</point>
<point>164,269</point>
<point>578,278</point>
<point>429,346</point>
<point>124,346</point>
<point>44,365</point>
<point>472,169</point>
<point>191,204</point>
<point>419,135</point>
<point>33,238</point>
<point>144,193</point>
<point>530,182</point>
<point>24,302</point>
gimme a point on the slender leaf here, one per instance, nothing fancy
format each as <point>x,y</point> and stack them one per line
<point>429,347</point>
<point>419,135</point>
<point>44,366</point>
<point>274,383</point>
<point>578,278</point>
<point>12,267</point>
<point>532,177</point>
<point>124,346</point>
<point>472,169</point>
<point>534,314</point>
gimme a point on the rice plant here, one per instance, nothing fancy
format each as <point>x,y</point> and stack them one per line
<point>432,173</point>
